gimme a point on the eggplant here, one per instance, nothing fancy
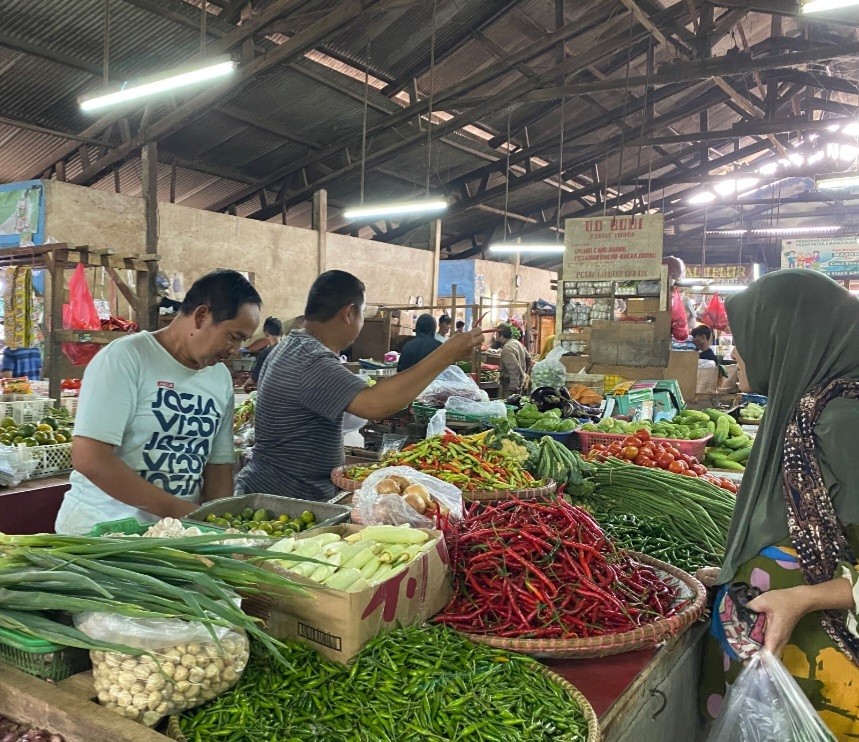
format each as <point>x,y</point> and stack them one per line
<point>514,400</point>
<point>546,398</point>
<point>565,393</point>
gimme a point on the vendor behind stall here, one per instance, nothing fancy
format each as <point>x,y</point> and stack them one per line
<point>273,331</point>
<point>421,346</point>
<point>154,425</point>
<point>306,390</point>
<point>701,337</point>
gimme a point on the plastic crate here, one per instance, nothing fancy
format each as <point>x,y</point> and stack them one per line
<point>588,439</point>
<point>48,460</point>
<point>133,527</point>
<point>422,414</point>
<point>70,404</point>
<point>595,382</point>
<point>536,435</point>
<point>40,658</point>
<point>25,410</point>
<point>327,514</point>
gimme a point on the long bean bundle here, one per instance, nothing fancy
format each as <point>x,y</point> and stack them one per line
<point>192,578</point>
<point>411,685</point>
<point>691,509</point>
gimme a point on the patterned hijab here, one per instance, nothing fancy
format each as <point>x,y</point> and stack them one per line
<point>795,330</point>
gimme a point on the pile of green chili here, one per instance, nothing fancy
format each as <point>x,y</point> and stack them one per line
<point>414,684</point>
<point>651,536</point>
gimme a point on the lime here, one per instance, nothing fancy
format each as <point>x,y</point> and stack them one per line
<point>307,517</point>
<point>30,442</point>
<point>8,422</point>
<point>211,518</point>
<point>260,515</point>
<point>247,513</point>
<point>18,439</point>
<point>227,516</point>
<point>50,422</point>
<point>283,518</point>
<point>41,436</point>
<point>297,524</point>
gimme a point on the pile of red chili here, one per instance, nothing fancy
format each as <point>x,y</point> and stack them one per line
<point>542,570</point>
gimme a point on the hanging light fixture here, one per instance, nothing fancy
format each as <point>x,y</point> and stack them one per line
<point>818,6</point>
<point>397,208</point>
<point>538,247</point>
<point>837,180</point>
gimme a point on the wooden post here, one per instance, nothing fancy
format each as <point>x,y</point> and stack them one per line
<point>452,309</point>
<point>435,246</point>
<point>57,289</point>
<point>320,224</point>
<point>477,356</point>
<point>147,309</point>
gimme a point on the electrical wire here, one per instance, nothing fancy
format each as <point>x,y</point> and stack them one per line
<point>203,14</point>
<point>623,119</point>
<point>507,175</point>
<point>106,56</point>
<point>364,113</point>
<point>560,172</point>
<point>431,93</point>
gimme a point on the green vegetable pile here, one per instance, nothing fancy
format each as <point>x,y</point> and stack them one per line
<point>264,520</point>
<point>553,460</point>
<point>653,537</point>
<point>549,422</point>
<point>752,413</point>
<point>688,425</point>
<point>691,509</point>
<point>412,685</point>
<point>730,446</point>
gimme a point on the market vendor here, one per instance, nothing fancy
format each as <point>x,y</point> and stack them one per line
<point>273,331</point>
<point>306,390</point>
<point>701,338</point>
<point>514,362</point>
<point>421,346</point>
<point>794,537</point>
<point>154,427</point>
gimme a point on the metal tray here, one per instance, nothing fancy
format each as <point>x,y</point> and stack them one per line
<point>327,514</point>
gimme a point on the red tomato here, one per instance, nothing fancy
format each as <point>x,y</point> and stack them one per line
<point>673,451</point>
<point>693,460</point>
<point>643,434</point>
<point>648,463</point>
<point>599,448</point>
<point>689,473</point>
<point>685,459</point>
<point>677,467</point>
<point>630,453</point>
<point>727,484</point>
<point>664,460</point>
<point>698,469</point>
<point>631,440</point>
<point>614,449</point>
<point>648,449</point>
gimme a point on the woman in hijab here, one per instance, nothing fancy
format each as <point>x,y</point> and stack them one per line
<point>794,537</point>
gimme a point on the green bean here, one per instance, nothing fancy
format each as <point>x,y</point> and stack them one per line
<point>445,688</point>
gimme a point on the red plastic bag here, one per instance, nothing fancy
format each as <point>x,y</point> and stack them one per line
<point>679,324</point>
<point>715,315</point>
<point>80,314</point>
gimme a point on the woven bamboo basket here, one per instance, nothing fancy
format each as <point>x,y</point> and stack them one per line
<point>342,482</point>
<point>594,735</point>
<point>629,641</point>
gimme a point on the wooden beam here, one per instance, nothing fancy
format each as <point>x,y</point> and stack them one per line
<point>320,225</point>
<point>645,21</point>
<point>149,186</point>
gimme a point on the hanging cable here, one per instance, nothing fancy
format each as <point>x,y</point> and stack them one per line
<point>203,15</point>
<point>560,172</point>
<point>105,65</point>
<point>431,93</point>
<point>644,115</point>
<point>623,118</point>
<point>364,114</point>
<point>507,175</point>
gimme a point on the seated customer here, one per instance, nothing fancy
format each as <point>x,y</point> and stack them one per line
<point>701,337</point>
<point>421,346</point>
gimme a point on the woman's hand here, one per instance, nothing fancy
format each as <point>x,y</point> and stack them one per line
<point>783,609</point>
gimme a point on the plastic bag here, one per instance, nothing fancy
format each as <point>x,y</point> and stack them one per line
<point>550,371</point>
<point>80,314</point>
<point>452,382</point>
<point>391,509</point>
<point>487,410</point>
<point>136,687</point>
<point>437,424</point>
<point>765,703</point>
<point>679,323</point>
<point>715,315</point>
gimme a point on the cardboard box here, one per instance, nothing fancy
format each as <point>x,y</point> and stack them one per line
<point>642,307</point>
<point>632,343</point>
<point>338,624</point>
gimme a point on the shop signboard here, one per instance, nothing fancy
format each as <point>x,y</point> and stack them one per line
<point>834,256</point>
<point>613,248</point>
<point>22,213</point>
<point>736,273</point>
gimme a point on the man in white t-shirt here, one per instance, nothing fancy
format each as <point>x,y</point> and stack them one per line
<point>154,427</point>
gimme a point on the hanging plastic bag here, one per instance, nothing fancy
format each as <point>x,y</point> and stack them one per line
<point>715,315</point>
<point>452,382</point>
<point>485,410</point>
<point>550,371</point>
<point>679,323</point>
<point>80,314</point>
<point>192,667</point>
<point>377,504</point>
<point>765,703</point>
<point>437,424</point>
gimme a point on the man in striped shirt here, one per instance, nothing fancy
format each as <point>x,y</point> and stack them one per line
<point>305,390</point>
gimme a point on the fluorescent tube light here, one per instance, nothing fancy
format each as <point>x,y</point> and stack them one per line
<point>702,198</point>
<point>727,232</point>
<point>796,230</point>
<point>837,180</point>
<point>178,78</point>
<point>394,209</point>
<point>818,6</point>
<point>726,288</point>
<point>548,247</point>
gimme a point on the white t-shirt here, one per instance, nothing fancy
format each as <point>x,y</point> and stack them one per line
<point>166,420</point>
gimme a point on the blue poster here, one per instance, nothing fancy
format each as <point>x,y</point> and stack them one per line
<point>22,213</point>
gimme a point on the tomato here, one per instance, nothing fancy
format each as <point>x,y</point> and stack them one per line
<point>664,460</point>
<point>727,484</point>
<point>684,458</point>
<point>693,460</point>
<point>599,448</point>
<point>614,449</point>
<point>630,453</point>
<point>677,467</point>
<point>698,469</point>
<point>648,463</point>
<point>643,434</point>
<point>648,450</point>
<point>673,451</point>
<point>632,441</point>
<point>689,473</point>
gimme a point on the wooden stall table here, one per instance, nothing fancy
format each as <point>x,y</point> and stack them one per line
<point>32,506</point>
<point>646,696</point>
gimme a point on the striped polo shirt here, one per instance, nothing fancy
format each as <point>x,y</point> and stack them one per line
<point>303,393</point>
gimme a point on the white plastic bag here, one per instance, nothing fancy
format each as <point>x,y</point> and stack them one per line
<point>765,704</point>
<point>391,509</point>
<point>487,410</point>
<point>452,382</point>
<point>550,371</point>
<point>187,667</point>
<point>437,424</point>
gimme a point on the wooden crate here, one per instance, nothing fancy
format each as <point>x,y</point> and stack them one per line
<point>66,708</point>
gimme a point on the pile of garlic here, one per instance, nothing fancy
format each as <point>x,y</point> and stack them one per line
<point>184,676</point>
